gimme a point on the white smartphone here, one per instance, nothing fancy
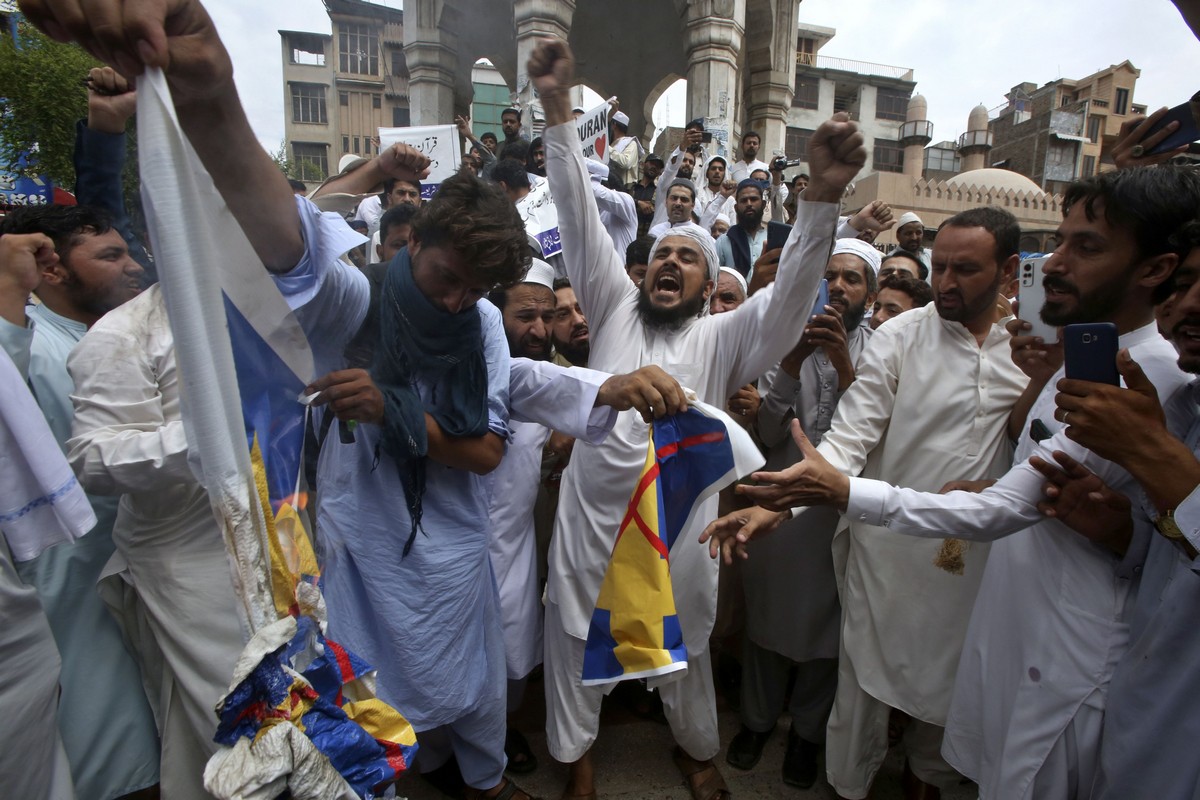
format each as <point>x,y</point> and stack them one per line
<point>1032,296</point>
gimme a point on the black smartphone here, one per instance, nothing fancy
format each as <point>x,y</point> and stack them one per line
<point>1090,351</point>
<point>1189,130</point>
<point>706,137</point>
<point>777,235</point>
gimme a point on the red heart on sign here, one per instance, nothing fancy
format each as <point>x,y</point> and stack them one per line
<point>600,146</point>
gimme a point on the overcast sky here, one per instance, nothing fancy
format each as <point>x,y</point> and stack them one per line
<point>973,55</point>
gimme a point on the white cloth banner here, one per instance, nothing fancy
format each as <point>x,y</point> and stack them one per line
<point>438,142</point>
<point>540,215</point>
<point>593,133</point>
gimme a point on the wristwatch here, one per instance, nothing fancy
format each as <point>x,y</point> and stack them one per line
<point>1167,526</point>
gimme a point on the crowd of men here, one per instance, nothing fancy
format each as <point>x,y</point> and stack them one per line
<point>971,557</point>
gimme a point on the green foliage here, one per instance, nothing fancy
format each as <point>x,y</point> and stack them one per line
<point>301,170</point>
<point>42,91</point>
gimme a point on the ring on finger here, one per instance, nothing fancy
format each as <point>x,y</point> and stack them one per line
<point>1065,415</point>
<point>1137,151</point>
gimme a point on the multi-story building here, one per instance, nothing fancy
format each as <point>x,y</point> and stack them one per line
<point>340,88</point>
<point>1062,131</point>
<point>875,95</point>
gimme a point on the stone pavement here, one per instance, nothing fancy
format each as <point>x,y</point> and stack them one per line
<point>633,760</point>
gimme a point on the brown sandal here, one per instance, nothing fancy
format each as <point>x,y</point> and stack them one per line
<point>702,778</point>
<point>508,791</point>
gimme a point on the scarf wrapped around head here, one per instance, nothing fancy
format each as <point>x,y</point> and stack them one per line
<point>419,341</point>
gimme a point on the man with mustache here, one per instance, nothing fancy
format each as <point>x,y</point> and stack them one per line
<point>663,322</point>
<point>1052,616</point>
<point>792,612</point>
<point>905,616</point>
<point>569,333</point>
<point>741,245</point>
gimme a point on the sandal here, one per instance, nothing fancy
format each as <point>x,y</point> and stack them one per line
<point>521,759</point>
<point>508,791</point>
<point>702,778</point>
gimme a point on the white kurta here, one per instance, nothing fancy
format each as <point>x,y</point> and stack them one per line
<point>1050,620</point>
<point>949,399</point>
<point>712,355</point>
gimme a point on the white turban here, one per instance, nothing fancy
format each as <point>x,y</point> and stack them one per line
<point>739,277</point>
<point>540,273</point>
<point>859,248</point>
<point>597,169</point>
<point>907,217</point>
<point>703,237</point>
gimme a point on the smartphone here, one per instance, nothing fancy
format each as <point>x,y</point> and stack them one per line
<point>822,299</point>
<point>1189,130</point>
<point>706,137</point>
<point>777,235</point>
<point>1032,296</point>
<point>1090,350</point>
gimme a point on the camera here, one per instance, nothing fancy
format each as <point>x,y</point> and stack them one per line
<point>781,163</point>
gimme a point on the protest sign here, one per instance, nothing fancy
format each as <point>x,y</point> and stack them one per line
<point>540,216</point>
<point>593,133</point>
<point>438,142</point>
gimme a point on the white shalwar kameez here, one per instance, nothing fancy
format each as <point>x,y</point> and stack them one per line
<point>713,356</point>
<point>1050,621</point>
<point>903,618</point>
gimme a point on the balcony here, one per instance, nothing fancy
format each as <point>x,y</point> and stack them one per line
<point>856,67</point>
<point>916,130</point>
<point>975,139</point>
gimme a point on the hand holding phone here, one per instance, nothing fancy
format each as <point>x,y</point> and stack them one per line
<point>1032,296</point>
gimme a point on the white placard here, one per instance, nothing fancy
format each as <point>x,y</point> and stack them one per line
<point>593,133</point>
<point>540,215</point>
<point>438,142</point>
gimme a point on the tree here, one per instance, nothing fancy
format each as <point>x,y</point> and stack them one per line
<point>301,170</point>
<point>41,97</point>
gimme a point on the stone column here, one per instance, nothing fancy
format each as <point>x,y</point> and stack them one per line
<point>432,61</point>
<point>535,19</point>
<point>714,34</point>
<point>772,76</point>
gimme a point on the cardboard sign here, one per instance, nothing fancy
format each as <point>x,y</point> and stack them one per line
<point>540,215</point>
<point>593,133</point>
<point>438,142</point>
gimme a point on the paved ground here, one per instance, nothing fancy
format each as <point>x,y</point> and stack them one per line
<point>633,758</point>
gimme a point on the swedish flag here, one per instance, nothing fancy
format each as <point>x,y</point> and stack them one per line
<point>635,631</point>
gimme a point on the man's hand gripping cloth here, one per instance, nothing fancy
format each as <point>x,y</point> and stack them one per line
<point>300,714</point>
<point>635,631</point>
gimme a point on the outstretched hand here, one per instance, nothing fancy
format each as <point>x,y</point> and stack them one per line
<point>1133,146</point>
<point>812,481</point>
<point>731,533</point>
<point>1079,499</point>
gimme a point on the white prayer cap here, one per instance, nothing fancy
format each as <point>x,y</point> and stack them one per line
<point>722,218</point>
<point>859,248</point>
<point>708,245</point>
<point>907,217</point>
<point>597,169</point>
<point>578,110</point>
<point>349,163</point>
<point>739,277</point>
<point>621,118</point>
<point>540,273</point>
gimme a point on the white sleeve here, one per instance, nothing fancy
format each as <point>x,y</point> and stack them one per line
<point>622,211</point>
<point>560,398</point>
<point>663,187</point>
<point>121,441</point>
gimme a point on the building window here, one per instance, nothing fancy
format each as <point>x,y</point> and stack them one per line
<point>795,143</point>
<point>357,152</point>
<point>343,98</point>
<point>1094,124</point>
<point>312,160</point>
<point>400,118</point>
<point>1060,153</point>
<point>376,101</point>
<point>358,50</point>
<point>808,93</point>
<point>891,104</point>
<point>1121,102</point>
<point>308,103</point>
<point>345,144</point>
<point>889,156</point>
<point>806,51</point>
<point>1089,166</point>
<point>941,159</point>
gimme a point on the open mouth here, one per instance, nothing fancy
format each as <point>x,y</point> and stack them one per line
<point>580,334</point>
<point>668,283</point>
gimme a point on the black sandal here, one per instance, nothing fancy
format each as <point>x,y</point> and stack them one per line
<point>521,759</point>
